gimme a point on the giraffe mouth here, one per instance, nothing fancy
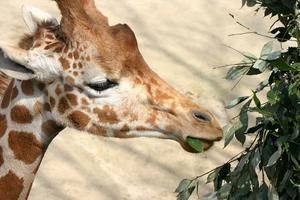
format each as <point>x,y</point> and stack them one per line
<point>197,145</point>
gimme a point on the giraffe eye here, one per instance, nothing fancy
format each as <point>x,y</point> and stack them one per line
<point>104,85</point>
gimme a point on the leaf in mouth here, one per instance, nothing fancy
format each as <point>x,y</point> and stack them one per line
<point>195,144</point>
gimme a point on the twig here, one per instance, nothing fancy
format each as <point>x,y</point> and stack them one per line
<point>252,32</point>
<point>229,65</point>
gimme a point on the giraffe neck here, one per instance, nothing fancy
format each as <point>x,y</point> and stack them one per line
<point>26,129</point>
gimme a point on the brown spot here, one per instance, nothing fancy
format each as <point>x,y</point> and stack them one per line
<point>97,130</point>
<point>58,49</point>
<point>70,80</point>
<point>75,73</point>
<point>149,89</point>
<point>137,81</point>
<point>53,45</point>
<point>142,128</point>
<point>25,146</point>
<point>161,96</point>
<point>66,49</point>
<point>79,119</point>
<point>41,86</point>
<point>106,115</point>
<point>68,88</point>
<point>152,118</point>
<point>27,87</point>
<point>7,95</point>
<point>74,65</point>
<point>76,55</point>
<point>80,65</point>
<point>11,186</point>
<point>52,102</point>
<point>123,132</point>
<point>38,107</point>
<point>47,107</point>
<point>70,55</point>
<point>64,63</point>
<point>84,101</point>
<point>58,91</point>
<point>3,125</point>
<point>63,105</point>
<point>125,128</point>
<point>50,128</point>
<point>26,42</point>
<point>153,81</point>
<point>50,36</point>
<point>140,73</point>
<point>14,93</point>
<point>72,99</point>
<point>37,44</point>
<point>1,156</point>
<point>88,58</point>
<point>20,114</point>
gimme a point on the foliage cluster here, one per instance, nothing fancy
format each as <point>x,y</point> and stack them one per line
<point>270,167</point>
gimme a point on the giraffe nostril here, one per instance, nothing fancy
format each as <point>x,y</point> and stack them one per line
<point>202,117</point>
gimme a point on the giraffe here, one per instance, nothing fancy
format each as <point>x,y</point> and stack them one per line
<point>84,74</point>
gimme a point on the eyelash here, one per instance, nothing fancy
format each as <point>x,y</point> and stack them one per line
<point>101,86</point>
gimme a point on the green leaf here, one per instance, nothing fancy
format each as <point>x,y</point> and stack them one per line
<point>281,65</point>
<point>273,56</point>
<point>253,71</point>
<point>272,98</point>
<point>273,195</point>
<point>261,65</point>
<point>296,66</point>
<point>243,123</point>
<point>251,3</point>
<point>185,195</point>
<point>211,177</point>
<point>195,143</point>
<point>183,185</point>
<point>236,101</point>
<point>262,85</point>
<point>209,196</point>
<point>256,100</point>
<point>224,191</point>
<point>255,159</point>
<point>266,50</point>
<point>244,2</point>
<point>255,128</point>
<point>228,132</point>
<point>275,156</point>
<point>240,136</point>
<point>236,72</point>
<point>263,191</point>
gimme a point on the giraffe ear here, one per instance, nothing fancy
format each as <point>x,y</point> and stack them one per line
<point>17,70</point>
<point>34,17</point>
<point>23,65</point>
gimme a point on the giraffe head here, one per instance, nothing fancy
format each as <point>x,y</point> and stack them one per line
<point>96,79</point>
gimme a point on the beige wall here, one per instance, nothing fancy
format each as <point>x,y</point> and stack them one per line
<point>182,41</point>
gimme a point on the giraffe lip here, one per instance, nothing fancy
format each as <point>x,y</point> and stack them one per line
<point>205,143</point>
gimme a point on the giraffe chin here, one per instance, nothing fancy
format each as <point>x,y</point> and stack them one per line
<point>207,144</point>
